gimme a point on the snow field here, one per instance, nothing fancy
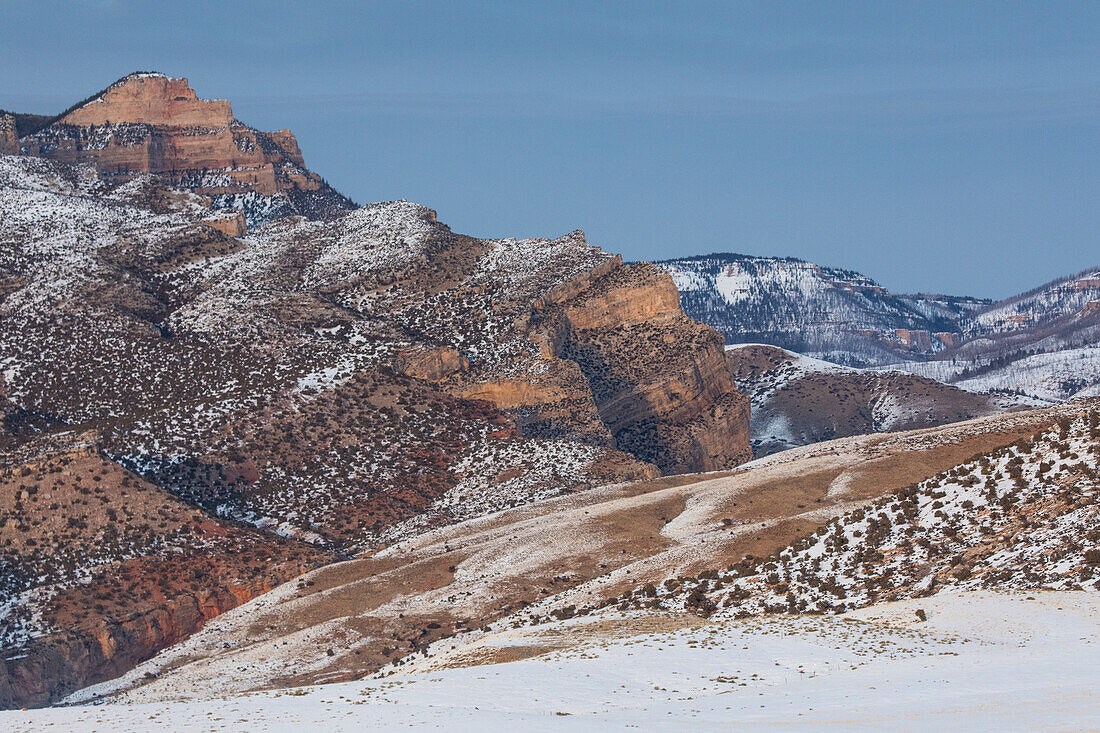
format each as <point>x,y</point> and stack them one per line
<point>981,661</point>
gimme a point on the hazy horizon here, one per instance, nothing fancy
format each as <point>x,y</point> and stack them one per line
<point>934,148</point>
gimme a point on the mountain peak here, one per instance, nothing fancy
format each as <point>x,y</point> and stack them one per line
<point>149,123</point>
<point>151,98</point>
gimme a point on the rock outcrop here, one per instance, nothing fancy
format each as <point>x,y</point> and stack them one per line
<point>660,381</point>
<point>148,123</point>
<point>9,140</point>
<point>232,224</point>
<point>150,99</point>
<point>431,364</point>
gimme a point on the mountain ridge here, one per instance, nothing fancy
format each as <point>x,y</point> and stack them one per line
<point>830,313</point>
<point>847,318</point>
<point>324,386</point>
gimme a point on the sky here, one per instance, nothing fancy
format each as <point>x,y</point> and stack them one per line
<point>934,146</point>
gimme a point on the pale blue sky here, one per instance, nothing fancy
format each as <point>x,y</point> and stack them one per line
<point>949,147</point>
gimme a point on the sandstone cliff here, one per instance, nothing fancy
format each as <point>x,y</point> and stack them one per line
<point>660,381</point>
<point>150,99</point>
<point>9,141</point>
<point>608,356</point>
<point>148,123</point>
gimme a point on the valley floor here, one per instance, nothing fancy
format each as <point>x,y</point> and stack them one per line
<point>982,661</point>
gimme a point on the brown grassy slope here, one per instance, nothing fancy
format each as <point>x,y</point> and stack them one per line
<point>574,551</point>
<point>155,568</point>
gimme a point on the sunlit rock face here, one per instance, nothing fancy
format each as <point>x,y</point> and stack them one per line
<point>148,123</point>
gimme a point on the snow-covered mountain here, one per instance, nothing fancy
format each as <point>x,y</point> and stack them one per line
<point>824,312</point>
<point>1076,295</point>
<point>1044,344</point>
<point>1041,345</point>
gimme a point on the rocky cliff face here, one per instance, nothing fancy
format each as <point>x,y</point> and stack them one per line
<point>659,380</point>
<point>151,99</point>
<point>9,141</point>
<point>149,123</point>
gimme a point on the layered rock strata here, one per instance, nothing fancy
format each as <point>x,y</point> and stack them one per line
<point>148,123</point>
<point>660,381</point>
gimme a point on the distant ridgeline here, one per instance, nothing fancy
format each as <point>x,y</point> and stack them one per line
<point>1044,344</point>
<point>833,314</point>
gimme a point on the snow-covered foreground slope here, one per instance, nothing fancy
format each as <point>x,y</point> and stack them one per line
<point>981,661</point>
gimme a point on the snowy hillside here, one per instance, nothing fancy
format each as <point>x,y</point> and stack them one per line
<point>1043,346</point>
<point>1040,378</point>
<point>798,400</point>
<point>829,313</point>
<point>1059,298</point>
<point>1026,516</point>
